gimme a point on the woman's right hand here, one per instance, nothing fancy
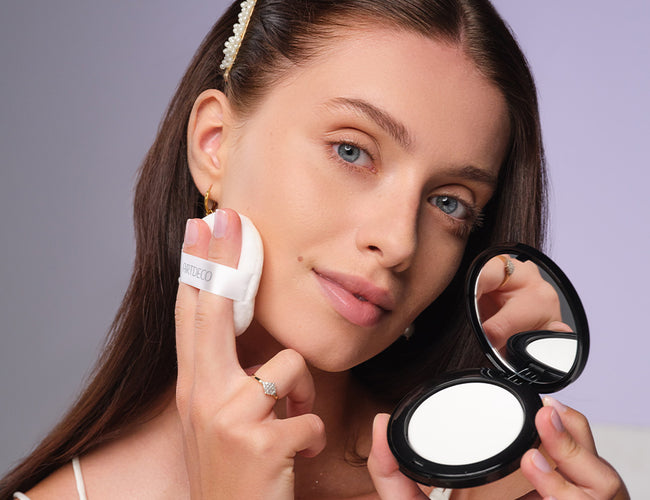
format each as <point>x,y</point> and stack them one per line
<point>235,446</point>
<point>519,302</point>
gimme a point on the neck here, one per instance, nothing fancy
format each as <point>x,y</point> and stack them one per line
<point>347,412</point>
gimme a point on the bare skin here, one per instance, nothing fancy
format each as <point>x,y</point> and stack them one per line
<point>342,178</point>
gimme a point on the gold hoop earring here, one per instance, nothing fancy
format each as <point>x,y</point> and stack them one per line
<point>206,203</point>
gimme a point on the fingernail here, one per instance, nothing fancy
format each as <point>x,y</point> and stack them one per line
<point>191,233</point>
<point>549,401</point>
<point>220,223</point>
<point>540,462</point>
<point>557,421</point>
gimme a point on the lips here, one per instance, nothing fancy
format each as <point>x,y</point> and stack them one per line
<point>356,299</point>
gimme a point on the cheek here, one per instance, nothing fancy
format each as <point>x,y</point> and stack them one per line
<point>274,181</point>
<point>437,267</point>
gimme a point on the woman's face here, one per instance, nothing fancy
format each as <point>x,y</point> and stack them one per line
<point>364,172</point>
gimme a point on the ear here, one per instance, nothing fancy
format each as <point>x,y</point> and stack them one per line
<point>206,133</point>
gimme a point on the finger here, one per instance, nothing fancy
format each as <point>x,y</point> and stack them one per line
<point>558,326</point>
<point>574,422</point>
<point>551,485</point>
<point>574,460</point>
<point>492,275</point>
<point>293,380</point>
<point>384,469</point>
<point>513,317</point>
<point>252,370</point>
<point>547,482</point>
<point>215,353</point>
<point>304,434</point>
<point>579,470</point>
<point>195,243</point>
<point>524,312</point>
<point>197,236</point>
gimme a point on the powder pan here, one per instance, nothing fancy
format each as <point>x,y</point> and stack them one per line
<point>471,427</point>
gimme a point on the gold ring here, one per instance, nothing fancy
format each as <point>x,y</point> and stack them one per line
<point>508,268</point>
<point>269,387</point>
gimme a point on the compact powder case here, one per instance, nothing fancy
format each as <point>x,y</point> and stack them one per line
<point>471,427</point>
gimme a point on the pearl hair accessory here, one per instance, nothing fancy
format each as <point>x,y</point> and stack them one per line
<point>234,42</point>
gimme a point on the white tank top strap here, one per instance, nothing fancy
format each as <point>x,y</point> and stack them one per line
<point>78,478</point>
<point>440,494</point>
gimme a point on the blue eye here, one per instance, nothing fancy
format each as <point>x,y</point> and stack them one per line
<point>353,155</point>
<point>451,206</point>
<point>349,152</point>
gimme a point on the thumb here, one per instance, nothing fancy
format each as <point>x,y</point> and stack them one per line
<point>384,469</point>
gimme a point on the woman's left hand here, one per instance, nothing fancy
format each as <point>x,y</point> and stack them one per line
<point>580,474</point>
<point>566,438</point>
<point>389,482</point>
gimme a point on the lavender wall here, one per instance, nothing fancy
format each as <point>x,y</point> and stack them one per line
<point>84,85</point>
<point>592,66</point>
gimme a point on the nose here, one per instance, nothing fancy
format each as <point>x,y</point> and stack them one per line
<point>389,232</point>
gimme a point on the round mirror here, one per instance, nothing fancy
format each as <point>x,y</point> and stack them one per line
<point>528,316</point>
<point>470,427</point>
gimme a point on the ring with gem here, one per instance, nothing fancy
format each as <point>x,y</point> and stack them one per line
<point>269,387</point>
<point>508,268</point>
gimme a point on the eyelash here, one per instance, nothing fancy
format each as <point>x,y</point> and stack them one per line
<point>333,145</point>
<point>462,227</point>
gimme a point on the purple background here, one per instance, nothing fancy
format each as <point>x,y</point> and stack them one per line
<point>84,85</point>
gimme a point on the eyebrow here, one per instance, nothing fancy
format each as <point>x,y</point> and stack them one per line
<point>472,173</point>
<point>392,126</point>
<point>399,132</point>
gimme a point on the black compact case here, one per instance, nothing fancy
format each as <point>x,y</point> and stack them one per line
<point>471,427</point>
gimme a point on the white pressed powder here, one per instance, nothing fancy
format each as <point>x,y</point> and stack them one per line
<point>557,353</point>
<point>465,423</point>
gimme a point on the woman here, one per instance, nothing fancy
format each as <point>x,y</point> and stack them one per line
<point>378,146</point>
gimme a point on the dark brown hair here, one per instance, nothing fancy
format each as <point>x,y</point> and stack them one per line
<point>138,364</point>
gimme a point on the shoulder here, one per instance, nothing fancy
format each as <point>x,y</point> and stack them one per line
<point>59,484</point>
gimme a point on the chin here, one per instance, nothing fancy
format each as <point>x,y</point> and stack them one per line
<point>335,354</point>
<point>326,342</point>
<point>331,364</point>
